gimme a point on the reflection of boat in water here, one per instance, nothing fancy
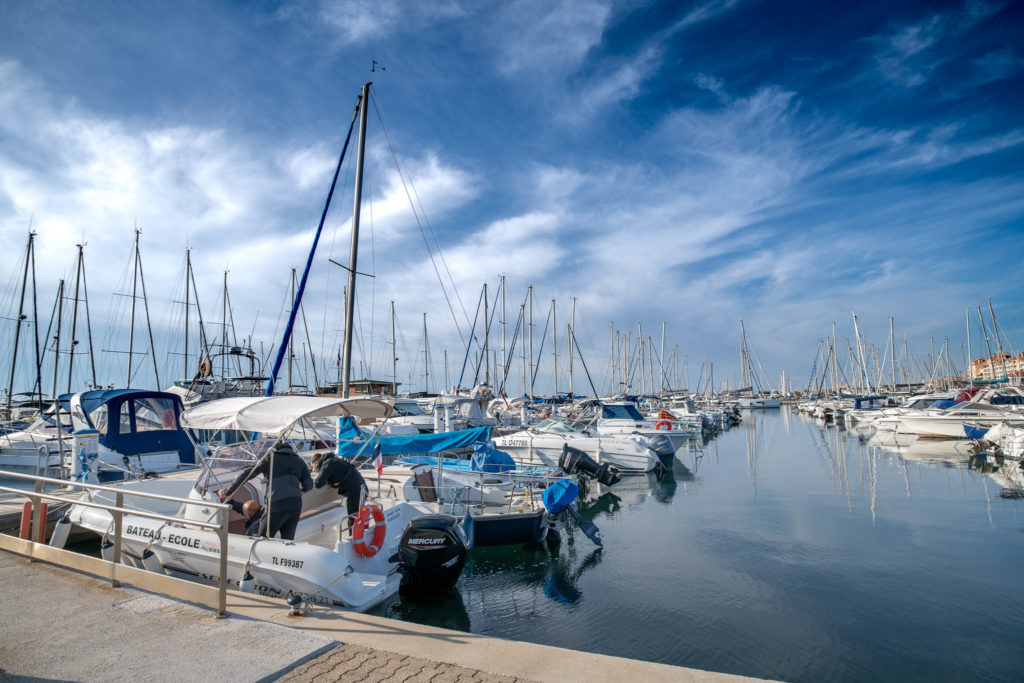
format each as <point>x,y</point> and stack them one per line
<point>443,611</point>
<point>1006,472</point>
<point>928,451</point>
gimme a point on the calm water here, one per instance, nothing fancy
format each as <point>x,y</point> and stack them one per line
<point>783,550</point>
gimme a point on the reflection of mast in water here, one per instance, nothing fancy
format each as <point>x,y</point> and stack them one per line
<point>752,449</point>
<point>787,417</point>
<point>841,467</point>
<point>873,478</point>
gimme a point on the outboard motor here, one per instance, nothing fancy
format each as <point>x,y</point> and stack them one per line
<point>431,555</point>
<point>575,461</point>
<point>559,497</point>
<point>661,445</point>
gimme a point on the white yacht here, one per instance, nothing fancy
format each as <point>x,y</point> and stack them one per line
<point>541,445</point>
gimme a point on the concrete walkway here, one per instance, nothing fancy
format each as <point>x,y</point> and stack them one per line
<point>60,624</point>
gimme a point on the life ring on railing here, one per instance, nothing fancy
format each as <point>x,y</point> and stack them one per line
<point>663,425</point>
<point>360,545</point>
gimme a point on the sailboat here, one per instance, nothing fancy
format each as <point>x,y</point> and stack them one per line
<point>752,379</point>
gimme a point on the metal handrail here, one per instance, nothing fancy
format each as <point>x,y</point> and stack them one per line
<point>117,512</point>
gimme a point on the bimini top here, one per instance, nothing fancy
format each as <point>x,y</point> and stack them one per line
<point>275,414</point>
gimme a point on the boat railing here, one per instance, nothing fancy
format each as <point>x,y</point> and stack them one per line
<point>38,549</point>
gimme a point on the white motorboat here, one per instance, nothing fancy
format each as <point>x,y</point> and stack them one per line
<point>411,548</point>
<point>542,444</point>
<point>132,432</point>
<point>950,423</point>
<point>622,418</point>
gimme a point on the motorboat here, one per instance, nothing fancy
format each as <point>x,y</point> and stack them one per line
<point>542,445</point>
<point>622,418</point>
<point>129,432</point>
<point>412,549</point>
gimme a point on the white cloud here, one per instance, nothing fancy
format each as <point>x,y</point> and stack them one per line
<point>548,37</point>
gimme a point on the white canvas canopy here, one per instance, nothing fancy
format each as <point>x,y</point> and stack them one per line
<point>275,414</point>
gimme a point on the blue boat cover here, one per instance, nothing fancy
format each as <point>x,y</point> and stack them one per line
<point>560,495</point>
<point>352,441</point>
<point>1007,400</point>
<point>487,458</point>
<point>975,433</point>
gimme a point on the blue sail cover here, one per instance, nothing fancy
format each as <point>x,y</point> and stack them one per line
<point>352,442</point>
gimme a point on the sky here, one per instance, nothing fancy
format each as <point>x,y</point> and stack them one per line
<point>677,164</point>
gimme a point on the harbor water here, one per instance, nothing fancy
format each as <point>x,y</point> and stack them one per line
<point>783,549</point>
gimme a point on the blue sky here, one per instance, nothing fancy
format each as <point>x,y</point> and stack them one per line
<point>693,163</point>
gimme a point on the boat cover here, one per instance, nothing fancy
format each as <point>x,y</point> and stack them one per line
<point>275,414</point>
<point>352,442</point>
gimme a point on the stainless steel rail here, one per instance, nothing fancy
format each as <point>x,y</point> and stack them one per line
<point>142,578</point>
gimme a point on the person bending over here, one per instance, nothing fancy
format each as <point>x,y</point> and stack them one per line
<point>284,490</point>
<point>328,468</point>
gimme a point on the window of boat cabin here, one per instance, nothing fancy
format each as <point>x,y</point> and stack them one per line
<point>99,418</point>
<point>125,419</point>
<point>625,412</point>
<point>154,414</point>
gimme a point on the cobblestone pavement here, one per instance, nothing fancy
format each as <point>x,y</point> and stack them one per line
<point>354,663</point>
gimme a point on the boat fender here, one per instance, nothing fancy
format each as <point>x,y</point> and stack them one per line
<point>61,531</point>
<point>663,424</point>
<point>360,545</point>
<point>248,583</point>
<point>107,550</point>
<point>151,563</point>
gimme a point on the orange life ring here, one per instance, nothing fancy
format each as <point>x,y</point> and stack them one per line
<point>667,425</point>
<point>359,530</point>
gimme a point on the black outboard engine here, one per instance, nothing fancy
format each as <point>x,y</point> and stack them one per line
<point>431,555</point>
<point>575,461</point>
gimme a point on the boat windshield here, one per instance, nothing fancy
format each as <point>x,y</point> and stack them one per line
<point>408,408</point>
<point>551,426</point>
<point>621,412</point>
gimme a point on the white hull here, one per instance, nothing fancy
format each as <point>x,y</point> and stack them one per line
<point>316,566</point>
<point>759,403</point>
<point>529,449</point>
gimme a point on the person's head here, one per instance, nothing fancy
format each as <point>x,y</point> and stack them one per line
<point>319,459</point>
<point>284,448</point>
<point>250,508</point>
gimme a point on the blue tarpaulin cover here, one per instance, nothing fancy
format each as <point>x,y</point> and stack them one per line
<point>352,442</point>
<point>487,458</point>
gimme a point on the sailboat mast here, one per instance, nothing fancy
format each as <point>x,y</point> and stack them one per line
<point>529,292</point>
<point>999,343</point>
<point>554,343</point>
<point>364,97</point>
<point>572,335</point>
<point>487,336</point>
<point>74,317</point>
<point>892,350</point>
<point>149,327</point>
<point>131,327</point>
<point>504,369</point>
<point>21,316</point>
<point>394,353</point>
<point>188,285</point>
<point>291,339</point>
<point>426,357</point>
<point>56,345</point>
<point>970,356</point>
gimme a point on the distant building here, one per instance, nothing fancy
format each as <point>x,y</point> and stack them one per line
<point>999,365</point>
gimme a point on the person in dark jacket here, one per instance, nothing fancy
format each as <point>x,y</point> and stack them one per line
<point>252,511</point>
<point>287,476</point>
<point>328,468</point>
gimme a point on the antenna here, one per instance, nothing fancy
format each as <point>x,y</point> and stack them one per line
<point>373,67</point>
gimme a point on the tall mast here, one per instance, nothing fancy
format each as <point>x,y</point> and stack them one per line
<point>74,317</point>
<point>21,316</point>
<point>999,343</point>
<point>503,351</point>
<point>149,327</point>
<point>224,331</point>
<point>291,339</point>
<point>529,292</point>
<point>131,327</point>
<point>487,337</point>
<point>572,337</point>
<point>988,345</point>
<point>970,356</point>
<point>188,271</point>
<point>640,352</point>
<point>661,361</point>
<point>554,343</point>
<point>394,353</point>
<point>56,345</point>
<point>364,97</point>
<point>426,357</point>
<point>892,350</point>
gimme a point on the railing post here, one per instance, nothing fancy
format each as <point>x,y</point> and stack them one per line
<point>118,524</point>
<point>37,514</point>
<point>222,583</point>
